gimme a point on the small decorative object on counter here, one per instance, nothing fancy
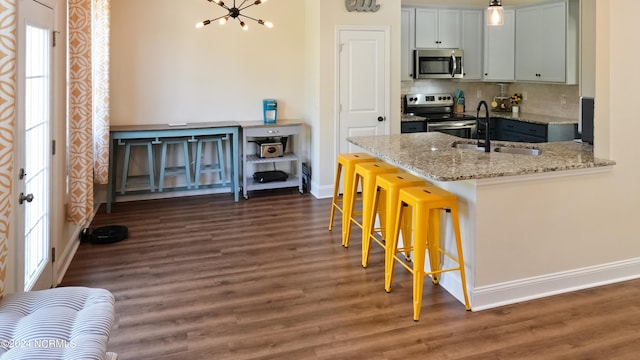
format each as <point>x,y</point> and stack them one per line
<point>459,100</point>
<point>270,109</point>
<point>515,104</point>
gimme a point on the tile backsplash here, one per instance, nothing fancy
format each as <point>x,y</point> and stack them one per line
<point>543,99</point>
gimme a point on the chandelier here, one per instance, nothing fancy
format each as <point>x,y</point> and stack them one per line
<point>235,13</point>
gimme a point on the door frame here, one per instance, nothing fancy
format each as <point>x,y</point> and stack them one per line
<point>18,263</point>
<point>387,76</point>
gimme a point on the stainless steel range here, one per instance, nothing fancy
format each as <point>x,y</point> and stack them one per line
<point>438,111</point>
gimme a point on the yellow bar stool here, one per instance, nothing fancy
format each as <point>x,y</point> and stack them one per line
<point>386,191</point>
<point>346,162</point>
<point>426,203</point>
<point>365,175</point>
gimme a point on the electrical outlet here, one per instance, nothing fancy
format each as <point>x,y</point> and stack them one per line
<point>478,93</point>
<point>563,99</point>
<point>524,95</point>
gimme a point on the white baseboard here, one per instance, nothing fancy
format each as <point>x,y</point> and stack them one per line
<point>322,192</point>
<point>65,257</point>
<point>491,296</point>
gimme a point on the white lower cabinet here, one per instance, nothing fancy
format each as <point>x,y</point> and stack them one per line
<point>252,161</point>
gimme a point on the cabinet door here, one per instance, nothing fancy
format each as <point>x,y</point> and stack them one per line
<point>449,26</point>
<point>427,28</point>
<point>553,23</point>
<point>528,54</point>
<point>499,48</point>
<point>541,43</point>
<point>408,44</point>
<point>472,43</point>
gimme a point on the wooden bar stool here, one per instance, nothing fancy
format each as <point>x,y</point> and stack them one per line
<point>184,169</point>
<point>148,143</point>
<point>217,167</point>
<point>365,175</point>
<point>426,203</point>
<point>386,192</point>
<point>348,163</point>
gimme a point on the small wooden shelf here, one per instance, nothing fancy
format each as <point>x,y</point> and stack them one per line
<point>251,161</point>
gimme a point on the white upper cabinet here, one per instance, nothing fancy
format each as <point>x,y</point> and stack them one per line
<point>541,43</point>
<point>499,49</point>
<point>408,42</point>
<point>438,28</point>
<point>472,21</point>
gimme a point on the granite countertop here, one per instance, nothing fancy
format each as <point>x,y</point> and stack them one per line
<point>406,117</point>
<point>525,117</point>
<point>432,155</point>
<point>531,118</point>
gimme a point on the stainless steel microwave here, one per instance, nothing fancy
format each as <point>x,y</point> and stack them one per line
<point>438,64</point>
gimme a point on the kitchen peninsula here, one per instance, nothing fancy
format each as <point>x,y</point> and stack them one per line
<point>518,241</point>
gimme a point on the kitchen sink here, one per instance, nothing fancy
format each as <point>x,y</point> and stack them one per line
<point>518,150</point>
<point>466,146</point>
<point>500,149</point>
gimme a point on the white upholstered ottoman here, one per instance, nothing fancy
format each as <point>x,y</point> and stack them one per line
<point>62,323</point>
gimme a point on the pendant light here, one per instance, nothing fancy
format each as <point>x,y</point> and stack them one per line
<point>495,13</point>
<point>234,12</point>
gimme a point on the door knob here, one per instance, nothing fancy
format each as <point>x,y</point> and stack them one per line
<point>380,118</point>
<point>28,198</point>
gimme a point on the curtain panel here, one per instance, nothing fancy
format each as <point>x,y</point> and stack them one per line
<point>8,49</point>
<point>80,151</point>
<point>100,42</point>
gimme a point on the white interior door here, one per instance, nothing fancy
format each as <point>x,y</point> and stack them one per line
<point>33,144</point>
<point>364,82</point>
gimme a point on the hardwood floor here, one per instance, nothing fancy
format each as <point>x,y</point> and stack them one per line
<point>206,278</point>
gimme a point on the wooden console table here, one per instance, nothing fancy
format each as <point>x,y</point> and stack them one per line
<point>158,131</point>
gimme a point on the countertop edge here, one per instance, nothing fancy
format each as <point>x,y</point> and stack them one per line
<point>442,162</point>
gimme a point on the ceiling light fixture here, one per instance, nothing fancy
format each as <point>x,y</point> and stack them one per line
<point>235,13</point>
<point>495,13</point>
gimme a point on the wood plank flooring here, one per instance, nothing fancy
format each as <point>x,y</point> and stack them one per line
<point>206,278</point>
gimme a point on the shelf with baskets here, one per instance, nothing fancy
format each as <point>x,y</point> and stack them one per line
<point>270,156</point>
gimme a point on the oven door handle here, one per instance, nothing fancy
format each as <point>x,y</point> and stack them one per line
<point>450,125</point>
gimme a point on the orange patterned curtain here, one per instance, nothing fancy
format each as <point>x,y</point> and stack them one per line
<point>7,122</point>
<point>80,205</point>
<point>101,22</point>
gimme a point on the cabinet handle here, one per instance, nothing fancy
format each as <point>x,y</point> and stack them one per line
<point>273,131</point>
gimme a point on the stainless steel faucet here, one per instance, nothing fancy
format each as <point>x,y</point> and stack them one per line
<point>487,120</point>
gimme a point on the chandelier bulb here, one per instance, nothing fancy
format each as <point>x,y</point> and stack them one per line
<point>202,24</point>
<point>244,26</point>
<point>223,20</point>
<point>265,23</point>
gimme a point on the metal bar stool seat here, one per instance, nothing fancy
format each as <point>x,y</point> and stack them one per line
<point>177,170</point>
<point>346,162</point>
<point>217,167</point>
<point>148,143</point>
<point>365,176</point>
<point>426,202</point>
<point>386,192</point>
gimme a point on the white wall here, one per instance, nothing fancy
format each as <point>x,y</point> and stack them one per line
<point>322,110</point>
<point>165,70</point>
